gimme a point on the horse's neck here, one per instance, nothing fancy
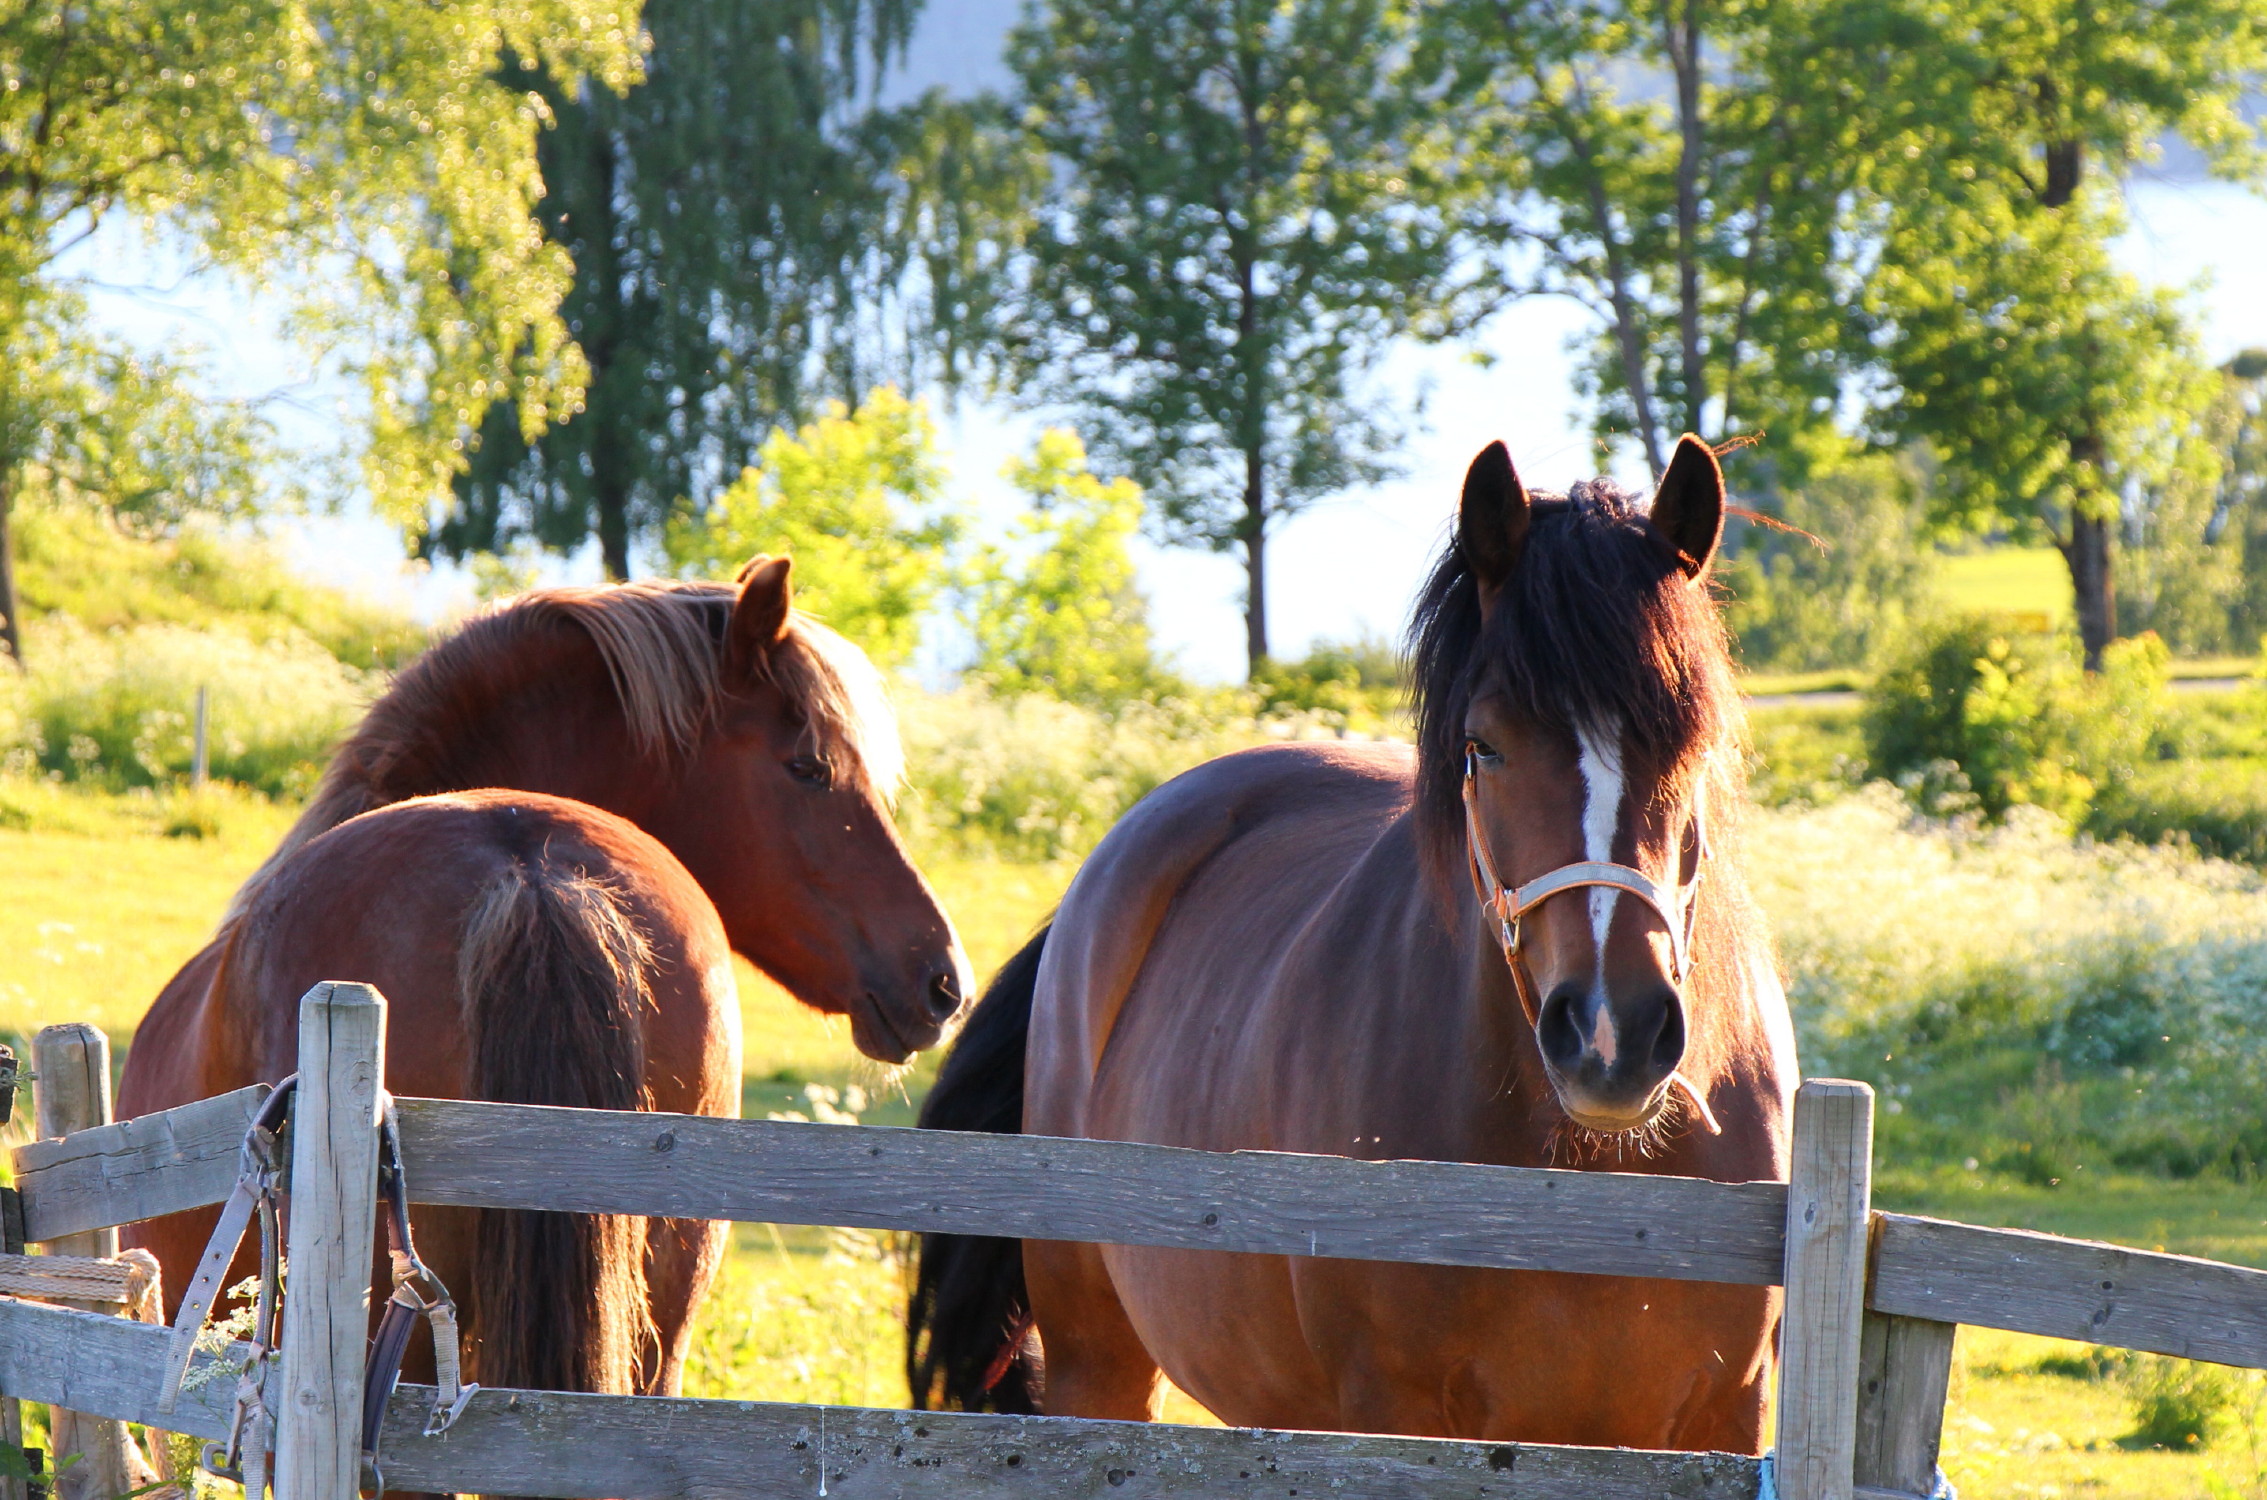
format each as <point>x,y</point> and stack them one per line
<point>565,753</point>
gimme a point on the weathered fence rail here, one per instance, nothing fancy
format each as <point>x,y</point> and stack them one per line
<point>1872,1299</point>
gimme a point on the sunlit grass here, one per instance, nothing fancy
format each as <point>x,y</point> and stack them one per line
<point>2022,580</point>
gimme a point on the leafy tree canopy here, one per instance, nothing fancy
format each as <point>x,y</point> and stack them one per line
<point>1064,617</point>
<point>744,238</point>
<point>857,499</point>
<point>1247,203</point>
<point>363,160</point>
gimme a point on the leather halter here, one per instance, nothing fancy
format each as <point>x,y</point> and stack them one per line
<point>1509,904</point>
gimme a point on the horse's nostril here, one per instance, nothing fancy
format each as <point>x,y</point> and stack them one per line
<point>1558,1029</point>
<point>944,995</point>
<point>1669,1042</point>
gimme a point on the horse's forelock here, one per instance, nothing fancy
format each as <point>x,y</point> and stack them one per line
<point>1594,631</point>
<point>841,694</point>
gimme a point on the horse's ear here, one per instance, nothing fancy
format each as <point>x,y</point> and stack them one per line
<point>1688,508</point>
<point>1491,523</point>
<point>759,618</point>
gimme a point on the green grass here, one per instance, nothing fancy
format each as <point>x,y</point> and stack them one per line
<point>97,905</point>
<point>2021,580</point>
<point>1774,684</point>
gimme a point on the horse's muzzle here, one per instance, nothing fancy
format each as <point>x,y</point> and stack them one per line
<point>1610,1060</point>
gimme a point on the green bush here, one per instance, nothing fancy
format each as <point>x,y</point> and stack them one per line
<point>2177,1403</point>
<point>115,709</point>
<point>1990,708</point>
<point>1357,684</point>
<point>1033,778</point>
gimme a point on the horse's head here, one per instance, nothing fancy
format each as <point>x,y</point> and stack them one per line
<point>780,808</point>
<point>1573,733</point>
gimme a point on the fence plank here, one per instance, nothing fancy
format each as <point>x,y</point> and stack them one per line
<point>333,1223</point>
<point>1906,1366</point>
<point>652,1448</point>
<point>688,1166</point>
<point>655,1448</point>
<point>11,1212</point>
<point>136,1169</point>
<point>2071,1289</point>
<point>1829,1198</point>
<point>109,1365</point>
<point>72,1066</point>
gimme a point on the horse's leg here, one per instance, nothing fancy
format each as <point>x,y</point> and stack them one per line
<point>681,1258</point>
<point>1096,1363</point>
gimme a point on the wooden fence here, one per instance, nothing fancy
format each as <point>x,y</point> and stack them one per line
<point>1871,1299</point>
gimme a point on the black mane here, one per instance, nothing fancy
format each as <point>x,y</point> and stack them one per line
<point>1595,628</point>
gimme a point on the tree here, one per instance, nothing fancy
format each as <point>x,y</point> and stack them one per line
<point>1699,220</point>
<point>2053,386</point>
<point>2240,517</point>
<point>361,159</point>
<point>857,500</point>
<point>1248,202</point>
<point>733,229</point>
<point>1064,618</point>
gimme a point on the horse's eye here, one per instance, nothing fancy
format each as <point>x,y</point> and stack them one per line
<point>1487,753</point>
<point>811,771</point>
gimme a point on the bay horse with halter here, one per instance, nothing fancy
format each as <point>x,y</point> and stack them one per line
<point>1526,943</point>
<point>543,845</point>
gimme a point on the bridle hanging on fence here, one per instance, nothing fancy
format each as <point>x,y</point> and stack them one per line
<point>418,1293</point>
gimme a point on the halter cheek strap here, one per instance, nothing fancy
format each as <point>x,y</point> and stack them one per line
<point>1507,905</point>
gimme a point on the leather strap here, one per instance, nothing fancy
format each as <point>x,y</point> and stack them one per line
<point>1508,905</point>
<point>259,1172</point>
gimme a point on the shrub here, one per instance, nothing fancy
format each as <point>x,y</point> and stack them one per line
<point>1358,684</point>
<point>2005,704</point>
<point>1034,778</point>
<point>2177,1403</point>
<point>115,709</point>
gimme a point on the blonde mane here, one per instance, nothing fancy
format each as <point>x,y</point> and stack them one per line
<point>662,645</point>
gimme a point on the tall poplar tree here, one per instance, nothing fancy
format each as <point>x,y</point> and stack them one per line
<point>1249,201</point>
<point>731,225</point>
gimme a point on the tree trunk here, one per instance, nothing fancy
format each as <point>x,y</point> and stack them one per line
<point>10,635</point>
<point>613,530</point>
<point>1683,31</point>
<point>1255,562</point>
<point>2088,554</point>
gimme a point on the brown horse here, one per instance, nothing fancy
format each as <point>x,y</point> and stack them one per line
<point>1282,950</point>
<point>693,769</point>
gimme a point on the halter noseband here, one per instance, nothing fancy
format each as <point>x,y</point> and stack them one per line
<point>1508,904</point>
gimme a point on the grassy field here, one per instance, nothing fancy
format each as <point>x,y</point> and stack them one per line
<point>97,906</point>
<point>2023,580</point>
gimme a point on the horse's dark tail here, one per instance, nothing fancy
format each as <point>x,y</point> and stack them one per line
<point>552,973</point>
<point>968,1325</point>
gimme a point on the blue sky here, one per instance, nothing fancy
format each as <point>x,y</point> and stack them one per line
<point>1342,569</point>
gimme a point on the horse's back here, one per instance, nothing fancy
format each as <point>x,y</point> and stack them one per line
<point>1213,873</point>
<point>391,897</point>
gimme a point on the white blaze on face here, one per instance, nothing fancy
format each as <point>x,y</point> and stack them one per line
<point>1601,819</point>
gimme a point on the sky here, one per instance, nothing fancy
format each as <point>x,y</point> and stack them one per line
<point>1344,569</point>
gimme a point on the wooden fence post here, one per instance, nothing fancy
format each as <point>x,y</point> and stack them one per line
<point>1829,1203</point>
<point>1907,1364</point>
<point>71,1070</point>
<point>11,1410</point>
<point>330,1240</point>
